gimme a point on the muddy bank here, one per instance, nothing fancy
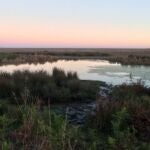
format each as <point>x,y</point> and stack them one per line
<point>78,112</point>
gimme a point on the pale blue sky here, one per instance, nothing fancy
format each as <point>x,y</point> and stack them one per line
<point>121,14</point>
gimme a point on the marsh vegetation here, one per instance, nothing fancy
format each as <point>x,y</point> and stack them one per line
<point>121,120</point>
<point>58,87</point>
<point>125,57</point>
<point>27,121</point>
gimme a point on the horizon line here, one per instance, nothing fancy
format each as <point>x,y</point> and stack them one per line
<point>72,48</point>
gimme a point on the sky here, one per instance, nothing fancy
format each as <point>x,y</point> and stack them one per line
<point>75,23</point>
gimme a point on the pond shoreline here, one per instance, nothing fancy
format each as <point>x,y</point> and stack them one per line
<point>98,70</point>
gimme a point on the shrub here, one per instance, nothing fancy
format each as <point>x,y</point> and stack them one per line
<point>39,85</point>
<point>123,134</point>
<point>123,107</point>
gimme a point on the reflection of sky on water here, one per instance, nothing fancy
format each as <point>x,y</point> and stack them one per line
<point>90,70</point>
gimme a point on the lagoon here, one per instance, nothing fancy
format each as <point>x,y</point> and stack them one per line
<point>100,70</point>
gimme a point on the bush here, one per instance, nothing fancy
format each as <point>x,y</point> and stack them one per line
<point>123,134</point>
<point>59,86</point>
<point>121,113</point>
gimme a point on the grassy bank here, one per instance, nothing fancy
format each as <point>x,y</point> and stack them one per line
<point>58,87</point>
<point>125,58</point>
<point>18,58</point>
<point>120,123</point>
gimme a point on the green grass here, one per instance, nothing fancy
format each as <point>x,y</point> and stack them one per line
<point>27,127</point>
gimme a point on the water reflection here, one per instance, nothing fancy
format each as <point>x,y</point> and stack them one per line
<point>89,70</point>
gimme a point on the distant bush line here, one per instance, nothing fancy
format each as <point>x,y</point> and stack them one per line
<point>125,58</point>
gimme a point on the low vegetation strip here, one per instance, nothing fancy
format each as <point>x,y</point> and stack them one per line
<point>58,87</point>
<point>125,58</point>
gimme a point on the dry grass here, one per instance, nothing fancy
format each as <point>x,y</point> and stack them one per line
<point>123,56</point>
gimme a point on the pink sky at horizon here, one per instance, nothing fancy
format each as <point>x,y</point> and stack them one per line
<point>75,24</point>
<point>77,35</point>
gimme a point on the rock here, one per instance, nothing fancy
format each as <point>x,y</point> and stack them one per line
<point>77,113</point>
<point>104,91</point>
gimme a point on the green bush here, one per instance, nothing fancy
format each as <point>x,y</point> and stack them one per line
<point>59,86</point>
<point>123,134</point>
<point>124,116</point>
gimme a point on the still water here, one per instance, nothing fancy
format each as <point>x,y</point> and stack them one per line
<point>90,70</point>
